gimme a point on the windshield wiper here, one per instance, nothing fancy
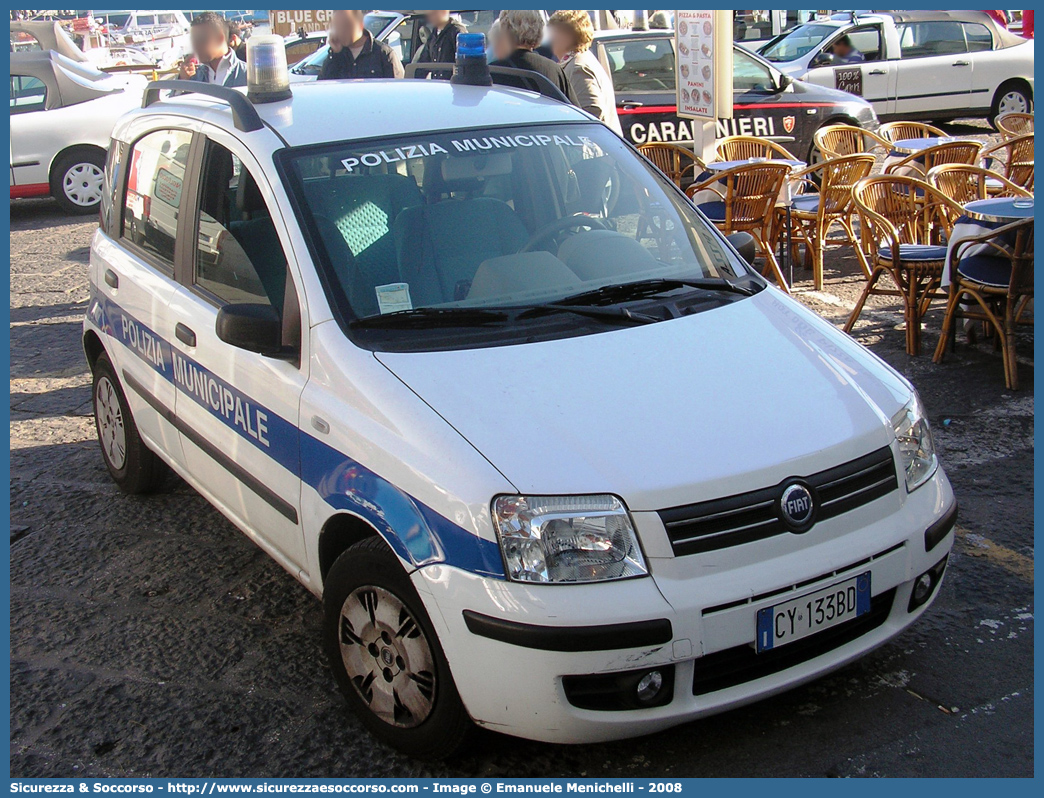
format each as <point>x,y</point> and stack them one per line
<point>432,317</point>
<point>642,289</point>
<point>615,314</point>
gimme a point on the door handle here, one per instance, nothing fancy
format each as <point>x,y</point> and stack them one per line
<point>630,104</point>
<point>962,63</point>
<point>111,279</point>
<point>185,335</point>
<point>877,72</point>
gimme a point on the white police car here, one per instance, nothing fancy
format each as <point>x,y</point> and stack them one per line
<point>555,458</point>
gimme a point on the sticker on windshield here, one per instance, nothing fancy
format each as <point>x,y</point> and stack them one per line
<point>408,152</point>
<point>393,297</point>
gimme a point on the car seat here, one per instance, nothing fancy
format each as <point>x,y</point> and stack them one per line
<point>440,246</point>
<point>257,235</point>
<point>361,209</point>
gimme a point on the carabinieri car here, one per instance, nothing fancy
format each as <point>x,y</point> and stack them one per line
<point>557,461</point>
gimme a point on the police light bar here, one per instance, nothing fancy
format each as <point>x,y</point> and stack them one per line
<point>268,79</point>
<point>471,68</point>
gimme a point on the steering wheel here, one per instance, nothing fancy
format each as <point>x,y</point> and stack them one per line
<point>576,221</point>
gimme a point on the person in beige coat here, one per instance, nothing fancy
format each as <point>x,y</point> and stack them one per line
<point>571,37</point>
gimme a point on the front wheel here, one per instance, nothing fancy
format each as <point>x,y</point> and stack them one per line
<point>77,179</point>
<point>1011,98</point>
<point>386,657</point>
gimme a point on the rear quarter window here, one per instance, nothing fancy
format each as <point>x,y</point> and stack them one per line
<point>641,64</point>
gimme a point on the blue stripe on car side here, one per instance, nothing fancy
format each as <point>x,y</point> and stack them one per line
<point>415,531</point>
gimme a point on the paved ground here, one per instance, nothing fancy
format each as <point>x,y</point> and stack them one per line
<point>150,638</point>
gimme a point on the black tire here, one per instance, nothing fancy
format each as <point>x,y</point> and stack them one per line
<point>1007,94</point>
<point>139,470</point>
<point>371,576</point>
<point>76,180</point>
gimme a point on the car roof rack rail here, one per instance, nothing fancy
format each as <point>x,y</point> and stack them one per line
<point>539,83</point>
<point>244,115</point>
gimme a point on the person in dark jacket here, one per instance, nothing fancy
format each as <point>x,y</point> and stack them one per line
<point>523,32</point>
<point>237,39</point>
<point>355,54</point>
<point>441,47</point>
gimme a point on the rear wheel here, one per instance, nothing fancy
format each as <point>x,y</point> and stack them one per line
<point>132,465</point>
<point>1011,98</point>
<point>386,657</point>
<point>76,180</point>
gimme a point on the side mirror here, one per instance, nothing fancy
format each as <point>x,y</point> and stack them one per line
<point>784,81</point>
<point>255,328</point>
<point>745,245</point>
<point>824,59</point>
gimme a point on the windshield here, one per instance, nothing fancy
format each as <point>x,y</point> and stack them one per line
<point>496,219</point>
<point>800,41</point>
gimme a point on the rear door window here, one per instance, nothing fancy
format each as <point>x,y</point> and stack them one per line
<point>925,39</point>
<point>27,94</point>
<point>749,74</point>
<point>155,179</point>
<point>645,64</point>
<point>979,37</point>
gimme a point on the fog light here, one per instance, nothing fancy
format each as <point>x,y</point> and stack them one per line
<point>925,584</point>
<point>649,686</point>
<point>922,587</point>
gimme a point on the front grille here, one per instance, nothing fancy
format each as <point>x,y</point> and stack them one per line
<point>746,517</point>
<point>743,664</point>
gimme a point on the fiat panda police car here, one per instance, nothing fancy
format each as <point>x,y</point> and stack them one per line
<point>557,461</point>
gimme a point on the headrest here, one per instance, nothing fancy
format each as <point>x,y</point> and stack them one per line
<point>471,167</point>
<point>248,195</point>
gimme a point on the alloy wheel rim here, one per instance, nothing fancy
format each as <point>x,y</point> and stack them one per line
<point>83,184</point>
<point>387,656</point>
<point>111,430</point>
<point>1013,103</point>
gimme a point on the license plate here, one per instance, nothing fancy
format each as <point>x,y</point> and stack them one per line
<point>804,616</point>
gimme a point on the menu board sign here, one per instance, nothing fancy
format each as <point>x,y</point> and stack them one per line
<point>703,40</point>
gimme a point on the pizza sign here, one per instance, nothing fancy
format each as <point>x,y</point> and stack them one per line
<point>849,79</point>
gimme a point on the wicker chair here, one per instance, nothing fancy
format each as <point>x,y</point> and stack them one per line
<point>1013,125</point>
<point>748,200</point>
<point>897,217</point>
<point>896,131</point>
<point>995,276</point>
<point>1017,165</point>
<point>923,161</point>
<point>677,163</point>
<point>963,183</point>
<point>740,148</point>
<point>812,215</point>
<point>834,141</point>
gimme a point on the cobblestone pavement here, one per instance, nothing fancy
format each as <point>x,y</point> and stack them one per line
<point>150,638</point>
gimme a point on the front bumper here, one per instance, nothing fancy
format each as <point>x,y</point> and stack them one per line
<point>510,666</point>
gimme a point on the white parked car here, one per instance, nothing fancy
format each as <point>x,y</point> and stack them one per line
<point>62,114</point>
<point>934,65</point>
<point>555,458</point>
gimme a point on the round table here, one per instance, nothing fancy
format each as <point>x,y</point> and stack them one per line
<point>721,166</point>
<point>910,146</point>
<point>1000,209</point>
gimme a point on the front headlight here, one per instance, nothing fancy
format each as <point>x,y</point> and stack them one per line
<point>567,539</point>
<point>916,447</point>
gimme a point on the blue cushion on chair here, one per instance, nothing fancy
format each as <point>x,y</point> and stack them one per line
<point>986,269</point>
<point>714,210</point>
<point>809,203</point>
<point>914,252</point>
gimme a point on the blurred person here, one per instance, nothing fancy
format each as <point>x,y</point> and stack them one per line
<point>658,21</point>
<point>237,39</point>
<point>524,31</point>
<point>1027,24</point>
<point>846,52</point>
<point>214,61</point>
<point>354,53</point>
<point>571,36</point>
<point>499,43</point>
<point>441,47</point>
